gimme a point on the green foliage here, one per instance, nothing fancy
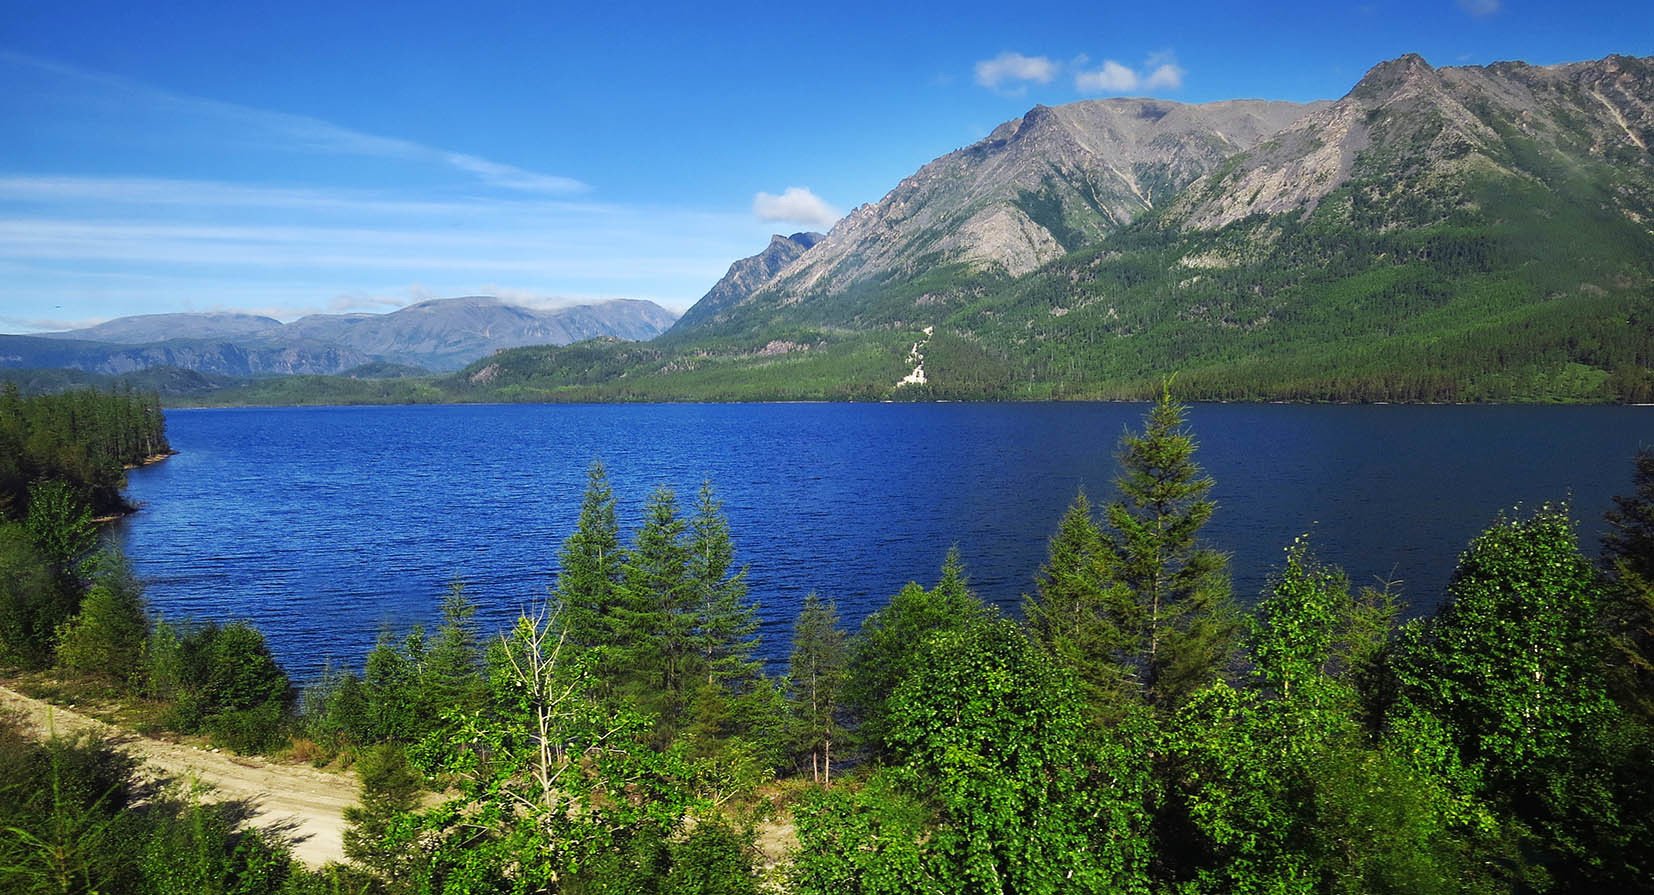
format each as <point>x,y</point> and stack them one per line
<point>82,440</point>
<point>886,649</point>
<point>1509,660</point>
<point>557,791</point>
<point>588,576</point>
<point>655,620</point>
<point>712,860</point>
<point>107,637</point>
<point>61,525</point>
<point>33,601</point>
<point>862,840</point>
<point>77,818</point>
<point>1628,600</point>
<point>1182,621</point>
<point>221,680</point>
<point>390,788</point>
<point>1082,616</point>
<point>994,737</point>
<point>815,683</point>
<point>1512,665</point>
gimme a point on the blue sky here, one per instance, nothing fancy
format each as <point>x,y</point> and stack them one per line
<point>295,157</point>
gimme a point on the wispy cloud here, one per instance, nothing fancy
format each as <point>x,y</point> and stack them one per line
<point>80,248</point>
<point>1012,72</point>
<point>795,205</point>
<point>302,133</point>
<point>1481,9</point>
<point>1159,72</point>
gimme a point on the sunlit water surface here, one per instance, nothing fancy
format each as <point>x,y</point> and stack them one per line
<point>325,525</point>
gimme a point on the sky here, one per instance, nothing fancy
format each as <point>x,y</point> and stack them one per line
<point>295,157</point>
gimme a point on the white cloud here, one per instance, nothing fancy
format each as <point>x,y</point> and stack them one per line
<point>1481,8</point>
<point>1159,72</point>
<point>1167,76</point>
<point>1012,71</point>
<point>1111,78</point>
<point>795,205</point>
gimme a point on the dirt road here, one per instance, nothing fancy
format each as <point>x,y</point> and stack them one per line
<point>305,804</point>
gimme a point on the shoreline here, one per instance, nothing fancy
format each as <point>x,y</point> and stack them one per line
<point>129,509</point>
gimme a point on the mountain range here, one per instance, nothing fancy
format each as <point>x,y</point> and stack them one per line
<point>436,335</point>
<point>1474,233</point>
<point>1437,234</point>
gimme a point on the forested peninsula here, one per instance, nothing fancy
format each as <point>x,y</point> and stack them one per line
<point>1137,727</point>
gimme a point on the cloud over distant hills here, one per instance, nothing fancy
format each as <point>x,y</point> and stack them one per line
<point>795,205</point>
<point>1011,73</point>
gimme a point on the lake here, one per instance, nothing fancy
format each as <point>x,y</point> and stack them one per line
<point>323,526</point>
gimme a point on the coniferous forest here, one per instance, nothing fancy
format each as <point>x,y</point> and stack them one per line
<point>1137,727</point>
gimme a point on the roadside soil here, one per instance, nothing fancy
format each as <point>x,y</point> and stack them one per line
<point>304,805</point>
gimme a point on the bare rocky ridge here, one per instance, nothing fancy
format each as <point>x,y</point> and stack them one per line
<point>1408,126</point>
<point>746,276</point>
<point>1036,188</point>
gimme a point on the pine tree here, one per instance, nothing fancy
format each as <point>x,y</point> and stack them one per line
<point>590,567</point>
<point>654,618</point>
<point>815,681</point>
<point>1188,622</point>
<point>452,679</point>
<point>726,627</point>
<point>1081,616</point>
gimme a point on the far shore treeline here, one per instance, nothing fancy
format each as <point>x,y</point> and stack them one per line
<point>1135,730</point>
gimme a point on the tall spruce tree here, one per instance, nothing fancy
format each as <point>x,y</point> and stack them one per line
<point>1081,616</point>
<point>590,568</point>
<point>726,627</point>
<point>654,617</point>
<point>1187,622</point>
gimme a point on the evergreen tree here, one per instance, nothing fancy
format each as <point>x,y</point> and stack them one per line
<point>1081,615</point>
<point>452,679</point>
<point>815,681</point>
<point>391,677</point>
<point>390,788</point>
<point>590,566</point>
<point>655,617</point>
<point>726,627</point>
<point>1188,622</point>
<point>108,635</point>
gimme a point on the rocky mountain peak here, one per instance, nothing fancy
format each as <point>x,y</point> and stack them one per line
<point>1037,187</point>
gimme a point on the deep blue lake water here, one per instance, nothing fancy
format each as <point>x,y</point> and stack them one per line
<point>324,525</point>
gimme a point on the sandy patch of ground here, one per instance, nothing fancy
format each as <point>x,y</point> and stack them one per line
<point>303,804</point>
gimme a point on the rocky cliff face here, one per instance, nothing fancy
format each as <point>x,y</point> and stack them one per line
<point>1411,131</point>
<point>745,277</point>
<point>1034,189</point>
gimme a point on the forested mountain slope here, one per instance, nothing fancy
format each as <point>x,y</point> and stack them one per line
<point>1475,233</point>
